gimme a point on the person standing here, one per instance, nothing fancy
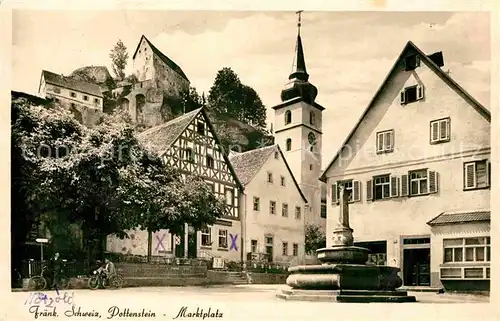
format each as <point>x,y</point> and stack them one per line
<point>55,263</point>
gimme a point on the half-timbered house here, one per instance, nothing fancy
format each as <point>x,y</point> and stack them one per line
<point>190,144</point>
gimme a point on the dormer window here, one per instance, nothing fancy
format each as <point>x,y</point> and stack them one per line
<point>312,118</point>
<point>288,117</point>
<point>411,94</point>
<point>412,62</point>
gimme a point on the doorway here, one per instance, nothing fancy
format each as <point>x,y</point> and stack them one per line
<point>269,248</point>
<point>416,263</point>
<point>192,243</point>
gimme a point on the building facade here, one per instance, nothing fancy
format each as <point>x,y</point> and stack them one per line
<point>273,225</point>
<point>298,132</point>
<point>417,165</point>
<point>190,144</point>
<point>83,99</point>
<point>153,69</point>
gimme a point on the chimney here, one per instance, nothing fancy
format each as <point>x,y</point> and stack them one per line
<point>437,58</point>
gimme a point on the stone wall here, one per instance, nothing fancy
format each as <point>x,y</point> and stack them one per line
<point>168,79</point>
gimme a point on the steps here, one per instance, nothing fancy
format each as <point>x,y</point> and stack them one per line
<point>353,296</point>
<point>237,278</point>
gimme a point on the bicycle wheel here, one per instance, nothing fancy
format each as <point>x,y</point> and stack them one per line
<point>37,283</point>
<point>117,282</point>
<point>64,282</point>
<point>93,282</point>
<point>106,282</point>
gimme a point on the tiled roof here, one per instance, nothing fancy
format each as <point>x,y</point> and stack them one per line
<point>70,83</point>
<point>461,217</point>
<point>246,165</point>
<point>164,58</point>
<point>161,137</point>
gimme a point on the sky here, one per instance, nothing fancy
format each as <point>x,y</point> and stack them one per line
<point>348,54</point>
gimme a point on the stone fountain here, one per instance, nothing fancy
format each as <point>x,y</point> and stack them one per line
<point>343,275</point>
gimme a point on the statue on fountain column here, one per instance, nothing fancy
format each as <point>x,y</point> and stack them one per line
<point>342,234</point>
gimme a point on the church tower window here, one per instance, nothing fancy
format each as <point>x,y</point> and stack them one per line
<point>288,117</point>
<point>289,144</point>
<point>312,119</point>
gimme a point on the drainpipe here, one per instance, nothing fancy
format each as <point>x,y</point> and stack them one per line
<point>243,218</point>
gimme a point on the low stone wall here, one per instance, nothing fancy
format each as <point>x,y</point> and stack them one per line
<point>268,278</point>
<point>135,270</point>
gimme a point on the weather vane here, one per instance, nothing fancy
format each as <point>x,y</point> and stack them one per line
<point>300,15</point>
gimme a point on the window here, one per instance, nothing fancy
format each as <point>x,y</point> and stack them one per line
<point>73,105</point>
<point>418,182</point>
<point>272,207</point>
<point>206,237</point>
<point>285,249</point>
<point>188,154</point>
<point>282,181</point>
<point>411,94</point>
<point>284,210</point>
<point>440,131</point>
<point>256,204</point>
<point>385,141</point>
<point>298,212</point>
<point>310,167</point>
<point>412,62</point>
<point>253,246</point>
<point>295,249</point>
<point>229,196</point>
<point>477,174</point>
<point>381,187</point>
<point>270,178</point>
<point>276,155</point>
<point>210,161</point>
<point>353,188</point>
<point>200,128</point>
<point>472,249</point>
<point>312,118</point>
<point>85,97</point>
<point>323,210</point>
<point>289,144</point>
<point>288,117</point>
<point>223,239</point>
<point>96,100</point>
<point>57,100</point>
<point>72,94</point>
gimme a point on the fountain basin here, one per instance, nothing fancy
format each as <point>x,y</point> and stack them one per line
<point>343,254</point>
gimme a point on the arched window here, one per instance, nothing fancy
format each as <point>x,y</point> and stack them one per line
<point>289,144</point>
<point>288,117</point>
<point>312,118</point>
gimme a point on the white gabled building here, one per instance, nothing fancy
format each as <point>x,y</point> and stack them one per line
<point>418,167</point>
<point>274,206</point>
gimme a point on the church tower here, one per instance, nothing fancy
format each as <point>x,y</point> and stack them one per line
<point>298,131</point>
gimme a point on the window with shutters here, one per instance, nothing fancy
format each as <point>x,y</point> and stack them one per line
<point>440,131</point>
<point>288,117</point>
<point>381,187</point>
<point>352,187</point>
<point>477,174</point>
<point>411,94</point>
<point>385,141</point>
<point>411,62</point>
<point>419,182</point>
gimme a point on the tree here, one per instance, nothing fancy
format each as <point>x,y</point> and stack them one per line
<point>191,100</point>
<point>103,178</point>
<point>119,56</point>
<point>229,96</point>
<point>315,238</point>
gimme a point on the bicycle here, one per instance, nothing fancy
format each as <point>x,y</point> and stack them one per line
<point>99,280</point>
<point>40,282</point>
